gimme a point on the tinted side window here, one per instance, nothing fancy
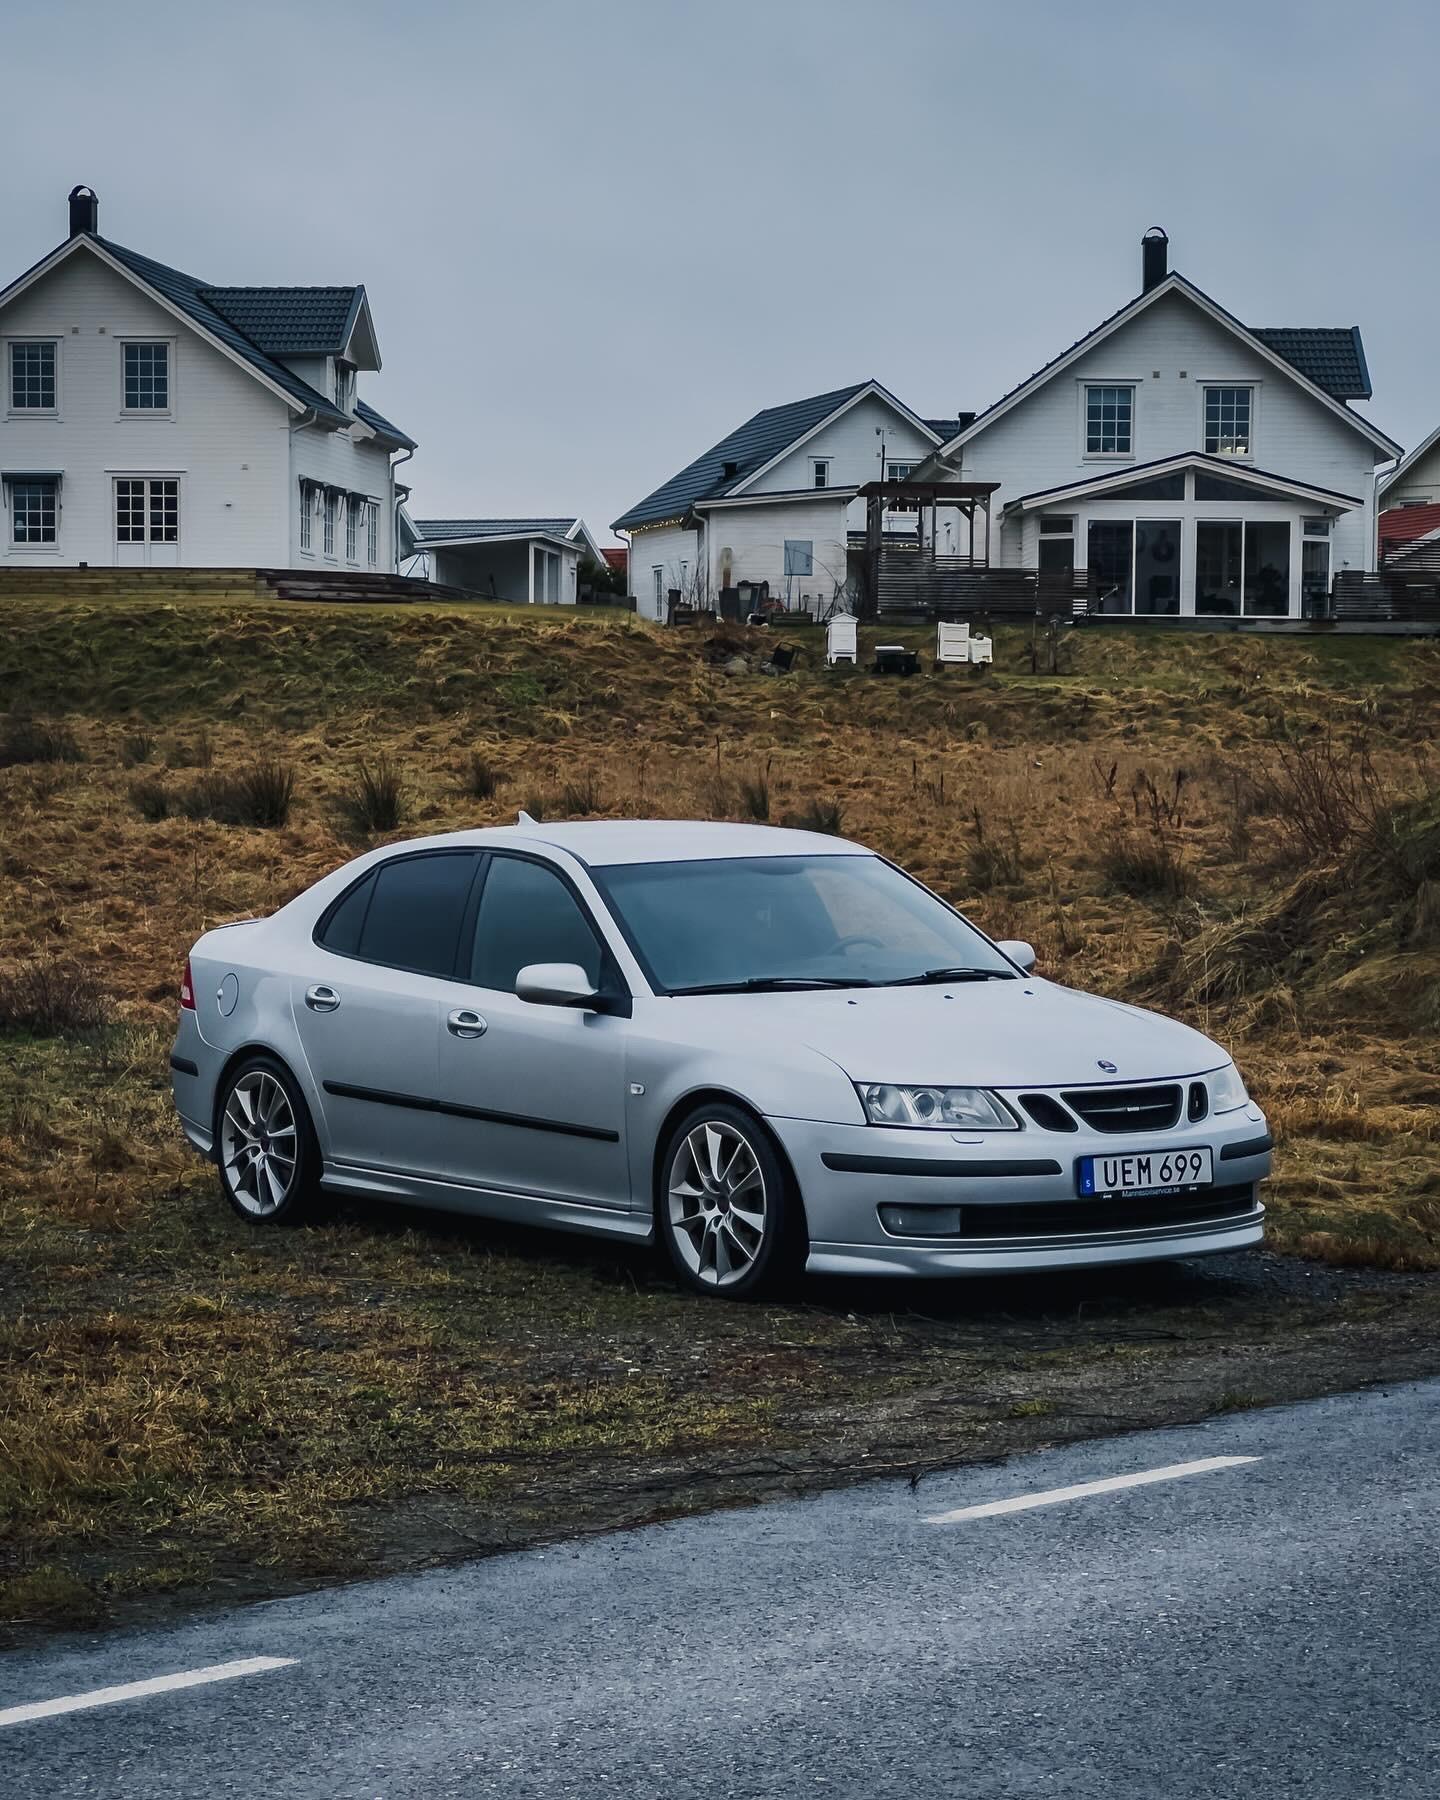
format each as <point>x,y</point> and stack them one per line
<point>342,928</point>
<point>528,915</point>
<point>415,912</point>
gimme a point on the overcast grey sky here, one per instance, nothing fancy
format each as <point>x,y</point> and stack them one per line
<point>598,236</point>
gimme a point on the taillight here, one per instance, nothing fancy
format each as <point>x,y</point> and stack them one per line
<point>187,990</point>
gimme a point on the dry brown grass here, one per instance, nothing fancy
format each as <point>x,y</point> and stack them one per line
<point>181,1396</point>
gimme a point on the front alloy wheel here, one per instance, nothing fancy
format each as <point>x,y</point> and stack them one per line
<point>725,1212</point>
<point>267,1154</point>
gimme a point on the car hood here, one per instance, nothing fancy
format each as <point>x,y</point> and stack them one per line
<point>1027,1033</point>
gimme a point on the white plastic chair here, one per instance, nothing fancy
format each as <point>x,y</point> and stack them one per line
<point>842,639</point>
<point>952,643</point>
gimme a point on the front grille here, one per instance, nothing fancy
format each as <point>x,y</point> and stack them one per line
<point>1083,1218</point>
<point>1128,1109</point>
<point>1048,1113</point>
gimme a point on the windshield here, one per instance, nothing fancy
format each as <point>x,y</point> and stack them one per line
<point>790,921</point>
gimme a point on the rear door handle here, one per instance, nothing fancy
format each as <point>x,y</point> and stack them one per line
<point>321,999</point>
<point>465,1024</point>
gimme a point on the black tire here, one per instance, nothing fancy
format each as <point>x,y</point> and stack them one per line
<point>257,1178</point>
<point>707,1255</point>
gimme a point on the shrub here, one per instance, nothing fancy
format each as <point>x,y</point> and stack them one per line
<point>1325,793</point>
<point>376,800</point>
<point>138,747</point>
<point>755,796</point>
<point>260,795</point>
<point>993,861</point>
<point>581,797</point>
<point>482,779</point>
<point>820,815</point>
<point>1144,863</point>
<point>49,997</point>
<point>29,740</point>
<point>151,798</point>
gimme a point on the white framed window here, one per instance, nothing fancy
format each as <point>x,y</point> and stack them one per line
<point>820,470</point>
<point>372,532</point>
<point>34,510</point>
<point>146,367</point>
<point>32,384</point>
<point>147,509</point>
<point>1227,420</point>
<point>329,521</point>
<point>684,577</point>
<point>352,527</point>
<point>1317,528</point>
<point>1110,419</point>
<point>307,513</point>
<point>344,386</point>
<point>658,576</point>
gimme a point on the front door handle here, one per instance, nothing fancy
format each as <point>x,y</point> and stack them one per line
<point>321,999</point>
<point>465,1024</point>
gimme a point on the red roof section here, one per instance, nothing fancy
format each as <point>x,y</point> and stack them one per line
<point>617,556</point>
<point>1399,524</point>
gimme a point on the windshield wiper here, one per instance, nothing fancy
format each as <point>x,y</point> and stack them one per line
<point>946,975</point>
<point>771,984</point>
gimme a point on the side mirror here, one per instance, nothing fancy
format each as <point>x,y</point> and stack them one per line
<point>1018,951</point>
<point>556,984</point>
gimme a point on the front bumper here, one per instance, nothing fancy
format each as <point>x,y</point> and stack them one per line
<point>848,1172</point>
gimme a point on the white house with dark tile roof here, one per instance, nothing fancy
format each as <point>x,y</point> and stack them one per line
<point>1189,464</point>
<point>534,562</point>
<point>775,501</point>
<point>152,419</point>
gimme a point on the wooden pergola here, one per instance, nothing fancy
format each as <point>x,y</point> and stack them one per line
<point>926,497</point>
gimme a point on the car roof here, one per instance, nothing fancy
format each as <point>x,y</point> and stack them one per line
<point>602,843</point>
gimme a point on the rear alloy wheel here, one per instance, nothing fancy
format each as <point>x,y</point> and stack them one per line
<point>269,1160</point>
<point>726,1213</point>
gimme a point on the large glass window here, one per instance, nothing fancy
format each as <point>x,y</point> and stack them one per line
<point>372,532</point>
<point>411,917</point>
<point>821,920</point>
<point>147,377</point>
<point>1109,421</point>
<point>1110,558</point>
<point>528,915</point>
<point>1157,566</point>
<point>147,510</point>
<point>1057,545</point>
<point>1314,577</point>
<point>32,512</point>
<point>1227,421</point>
<point>1243,567</point>
<point>1267,568</point>
<point>1219,564</point>
<point>329,521</point>
<point>32,377</point>
<point>352,527</point>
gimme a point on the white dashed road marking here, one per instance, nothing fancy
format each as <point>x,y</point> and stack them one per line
<point>1053,1496</point>
<point>140,1690</point>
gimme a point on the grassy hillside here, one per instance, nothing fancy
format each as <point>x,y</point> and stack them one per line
<point>1243,830</point>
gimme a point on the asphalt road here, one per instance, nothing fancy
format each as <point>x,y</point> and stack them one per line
<point>1270,1627</point>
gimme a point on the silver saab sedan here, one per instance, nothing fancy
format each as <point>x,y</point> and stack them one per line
<point>768,1049</point>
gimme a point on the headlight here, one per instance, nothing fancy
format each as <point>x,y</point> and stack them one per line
<point>1227,1090</point>
<point>941,1108</point>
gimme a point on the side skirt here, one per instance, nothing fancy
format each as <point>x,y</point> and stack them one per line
<point>489,1203</point>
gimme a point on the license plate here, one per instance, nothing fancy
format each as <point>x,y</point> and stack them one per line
<point>1140,1172</point>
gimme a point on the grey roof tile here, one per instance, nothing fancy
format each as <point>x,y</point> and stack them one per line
<point>1331,356</point>
<point>290,321</point>
<point>750,447</point>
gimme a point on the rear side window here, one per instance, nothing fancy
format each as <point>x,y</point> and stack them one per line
<point>341,932</point>
<point>407,914</point>
<point>528,915</point>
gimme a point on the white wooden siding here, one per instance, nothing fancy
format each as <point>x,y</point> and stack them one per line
<point>1420,482</point>
<point>756,535</point>
<point>852,443</point>
<point>665,547</point>
<point>226,437</point>
<point>1169,353</point>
